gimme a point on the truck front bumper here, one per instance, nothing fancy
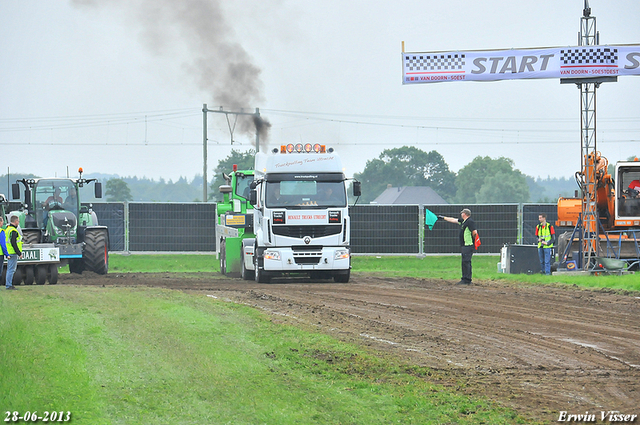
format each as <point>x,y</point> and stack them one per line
<point>321,259</point>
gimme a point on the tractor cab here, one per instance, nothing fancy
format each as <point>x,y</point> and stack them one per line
<point>53,197</point>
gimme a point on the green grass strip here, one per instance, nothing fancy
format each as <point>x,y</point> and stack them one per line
<point>140,356</point>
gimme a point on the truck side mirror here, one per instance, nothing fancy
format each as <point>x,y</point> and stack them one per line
<point>15,191</point>
<point>357,188</point>
<point>253,197</point>
<point>98,190</point>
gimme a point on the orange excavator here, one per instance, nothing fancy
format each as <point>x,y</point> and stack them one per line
<point>615,203</point>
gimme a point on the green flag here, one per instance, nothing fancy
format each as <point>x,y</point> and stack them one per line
<point>430,218</point>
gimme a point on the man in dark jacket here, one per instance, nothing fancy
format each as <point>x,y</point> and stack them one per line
<point>468,236</point>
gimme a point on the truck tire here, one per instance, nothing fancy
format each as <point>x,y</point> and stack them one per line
<point>223,257</point>
<point>41,274</point>
<point>342,277</point>
<point>17,277</point>
<point>244,273</point>
<point>52,274</point>
<point>29,275</point>
<point>96,250</point>
<point>261,276</point>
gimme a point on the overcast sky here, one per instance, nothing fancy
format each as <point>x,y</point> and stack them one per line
<point>118,86</point>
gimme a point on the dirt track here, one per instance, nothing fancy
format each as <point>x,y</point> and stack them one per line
<point>540,350</point>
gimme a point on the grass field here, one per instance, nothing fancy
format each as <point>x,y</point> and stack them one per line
<point>139,356</point>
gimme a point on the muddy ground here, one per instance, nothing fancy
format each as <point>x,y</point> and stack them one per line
<point>540,350</point>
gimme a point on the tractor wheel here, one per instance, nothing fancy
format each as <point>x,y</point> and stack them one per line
<point>29,275</point>
<point>223,257</point>
<point>30,236</point>
<point>76,266</point>
<point>96,250</point>
<point>52,274</point>
<point>41,274</point>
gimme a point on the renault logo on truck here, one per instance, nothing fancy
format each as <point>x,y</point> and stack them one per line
<point>307,240</point>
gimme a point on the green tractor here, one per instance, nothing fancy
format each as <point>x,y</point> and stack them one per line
<point>52,213</point>
<point>235,222</point>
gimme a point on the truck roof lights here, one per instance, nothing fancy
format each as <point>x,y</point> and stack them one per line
<point>300,148</point>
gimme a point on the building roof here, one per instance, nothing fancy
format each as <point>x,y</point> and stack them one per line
<point>409,195</point>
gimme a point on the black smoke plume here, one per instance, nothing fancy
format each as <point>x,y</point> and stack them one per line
<point>197,30</point>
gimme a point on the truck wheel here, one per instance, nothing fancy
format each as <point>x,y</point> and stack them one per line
<point>52,274</point>
<point>244,273</point>
<point>29,275</point>
<point>96,250</point>
<point>223,257</point>
<point>342,277</point>
<point>17,277</point>
<point>41,274</point>
<point>260,275</point>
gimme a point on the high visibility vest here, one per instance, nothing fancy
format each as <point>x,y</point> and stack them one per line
<point>8,232</point>
<point>544,232</point>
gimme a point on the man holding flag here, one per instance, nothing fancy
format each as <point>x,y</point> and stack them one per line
<point>469,242</point>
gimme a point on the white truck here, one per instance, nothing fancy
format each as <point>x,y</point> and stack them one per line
<point>301,217</point>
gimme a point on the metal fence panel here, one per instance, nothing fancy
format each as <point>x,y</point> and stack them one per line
<point>385,229</point>
<point>530,220</point>
<point>530,213</point>
<point>172,227</point>
<point>497,225</point>
<point>112,215</point>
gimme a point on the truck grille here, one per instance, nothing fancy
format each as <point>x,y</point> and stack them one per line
<point>302,231</point>
<point>307,255</point>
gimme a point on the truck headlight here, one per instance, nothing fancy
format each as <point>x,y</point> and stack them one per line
<point>341,254</point>
<point>271,255</point>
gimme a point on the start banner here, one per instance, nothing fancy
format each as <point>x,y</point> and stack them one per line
<point>492,65</point>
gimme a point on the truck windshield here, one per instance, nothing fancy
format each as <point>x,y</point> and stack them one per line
<point>305,194</point>
<point>243,183</point>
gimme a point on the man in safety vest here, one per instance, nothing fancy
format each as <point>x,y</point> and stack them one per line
<point>14,248</point>
<point>3,243</point>
<point>546,235</point>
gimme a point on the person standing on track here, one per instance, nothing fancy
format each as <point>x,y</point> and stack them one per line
<point>14,249</point>
<point>468,236</point>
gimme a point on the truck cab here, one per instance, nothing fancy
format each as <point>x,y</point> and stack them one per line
<point>301,217</point>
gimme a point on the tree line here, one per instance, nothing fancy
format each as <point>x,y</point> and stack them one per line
<point>483,180</point>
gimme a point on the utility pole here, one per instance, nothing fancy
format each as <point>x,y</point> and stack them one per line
<point>205,110</point>
<point>204,153</point>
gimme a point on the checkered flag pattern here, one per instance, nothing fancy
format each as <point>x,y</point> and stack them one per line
<point>589,56</point>
<point>444,62</point>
